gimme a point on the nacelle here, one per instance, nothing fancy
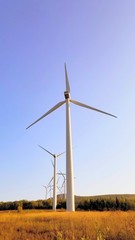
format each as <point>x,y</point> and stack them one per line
<point>66,94</point>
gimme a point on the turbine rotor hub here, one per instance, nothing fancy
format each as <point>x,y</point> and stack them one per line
<point>67,94</point>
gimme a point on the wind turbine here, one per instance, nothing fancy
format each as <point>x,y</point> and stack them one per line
<point>55,156</point>
<point>45,187</point>
<point>64,183</point>
<point>69,159</point>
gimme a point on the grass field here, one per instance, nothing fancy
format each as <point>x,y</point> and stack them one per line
<point>42,225</point>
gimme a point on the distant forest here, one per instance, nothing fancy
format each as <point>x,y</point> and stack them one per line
<point>96,203</point>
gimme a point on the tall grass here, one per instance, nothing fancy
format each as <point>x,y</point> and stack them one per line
<point>42,225</point>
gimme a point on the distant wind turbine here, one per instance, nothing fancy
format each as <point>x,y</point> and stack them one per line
<point>64,183</point>
<point>45,191</point>
<point>69,159</point>
<point>55,156</point>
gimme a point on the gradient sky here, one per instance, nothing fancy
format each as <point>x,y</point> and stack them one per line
<point>96,39</point>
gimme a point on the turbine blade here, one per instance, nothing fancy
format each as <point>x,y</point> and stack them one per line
<point>59,174</point>
<point>67,82</point>
<point>62,173</point>
<point>62,185</point>
<point>51,110</point>
<point>50,181</point>
<point>52,163</point>
<point>92,108</point>
<point>57,180</point>
<point>60,154</point>
<point>46,150</point>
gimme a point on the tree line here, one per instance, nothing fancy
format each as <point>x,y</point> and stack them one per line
<point>87,204</point>
<point>106,205</point>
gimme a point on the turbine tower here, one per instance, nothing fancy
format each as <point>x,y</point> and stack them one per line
<point>69,159</point>
<point>55,156</point>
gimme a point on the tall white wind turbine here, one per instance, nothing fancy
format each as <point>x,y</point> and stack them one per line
<point>55,156</point>
<point>69,159</point>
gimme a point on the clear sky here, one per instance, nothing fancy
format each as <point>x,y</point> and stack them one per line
<point>96,39</point>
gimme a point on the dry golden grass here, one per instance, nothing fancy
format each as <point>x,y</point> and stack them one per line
<point>42,225</point>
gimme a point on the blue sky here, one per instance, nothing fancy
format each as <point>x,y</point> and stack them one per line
<point>96,39</point>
